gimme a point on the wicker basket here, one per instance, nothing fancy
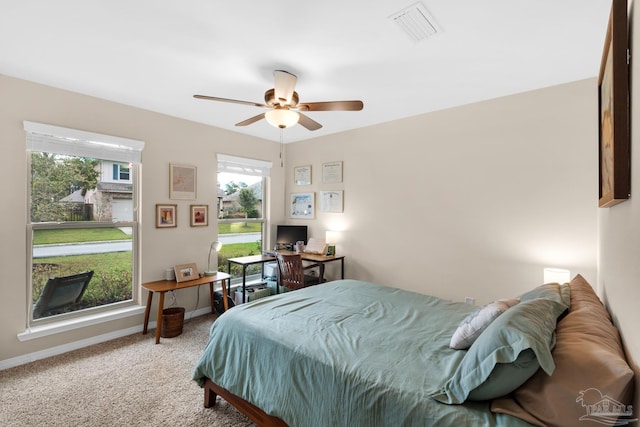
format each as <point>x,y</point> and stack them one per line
<point>172,321</point>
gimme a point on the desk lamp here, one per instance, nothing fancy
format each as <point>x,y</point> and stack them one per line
<point>215,246</point>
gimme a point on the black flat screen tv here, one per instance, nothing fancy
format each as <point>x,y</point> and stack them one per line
<point>288,235</point>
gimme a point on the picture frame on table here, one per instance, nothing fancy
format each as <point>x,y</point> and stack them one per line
<point>166,215</point>
<point>199,215</point>
<point>186,272</point>
<point>302,205</point>
<point>614,166</point>
<point>182,182</point>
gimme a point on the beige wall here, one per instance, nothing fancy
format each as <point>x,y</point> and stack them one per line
<point>167,140</point>
<point>619,238</point>
<point>472,201</point>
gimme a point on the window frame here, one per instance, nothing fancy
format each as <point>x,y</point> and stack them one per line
<point>262,220</point>
<point>118,150</point>
<point>248,167</point>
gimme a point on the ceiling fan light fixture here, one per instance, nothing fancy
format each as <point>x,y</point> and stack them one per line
<point>282,118</point>
<point>282,99</point>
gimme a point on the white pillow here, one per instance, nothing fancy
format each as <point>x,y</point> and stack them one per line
<point>476,322</point>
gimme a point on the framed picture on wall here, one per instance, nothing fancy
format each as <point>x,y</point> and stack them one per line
<point>302,205</point>
<point>166,216</point>
<point>331,172</point>
<point>613,101</point>
<point>302,175</point>
<point>331,201</point>
<point>182,182</point>
<point>199,215</point>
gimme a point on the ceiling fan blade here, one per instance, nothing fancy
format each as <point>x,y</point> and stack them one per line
<point>331,106</point>
<point>251,120</point>
<point>309,123</point>
<point>233,101</point>
<point>285,84</point>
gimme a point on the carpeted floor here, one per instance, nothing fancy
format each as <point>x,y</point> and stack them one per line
<point>129,381</point>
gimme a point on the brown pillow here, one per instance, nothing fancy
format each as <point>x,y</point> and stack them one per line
<point>589,361</point>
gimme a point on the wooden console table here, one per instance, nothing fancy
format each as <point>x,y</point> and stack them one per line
<point>164,286</point>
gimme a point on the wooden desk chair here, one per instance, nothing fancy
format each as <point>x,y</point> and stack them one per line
<point>291,272</point>
<point>61,292</point>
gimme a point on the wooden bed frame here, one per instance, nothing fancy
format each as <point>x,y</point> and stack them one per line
<point>255,414</point>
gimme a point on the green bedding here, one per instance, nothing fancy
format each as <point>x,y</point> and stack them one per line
<point>344,353</point>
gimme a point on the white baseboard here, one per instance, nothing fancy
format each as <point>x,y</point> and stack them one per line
<point>61,349</point>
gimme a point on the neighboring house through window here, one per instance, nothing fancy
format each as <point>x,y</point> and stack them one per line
<point>113,196</point>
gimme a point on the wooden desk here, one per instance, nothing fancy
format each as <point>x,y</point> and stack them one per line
<point>321,260</point>
<point>246,261</point>
<point>163,286</point>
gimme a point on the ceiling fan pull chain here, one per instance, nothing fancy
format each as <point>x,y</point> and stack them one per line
<point>281,147</point>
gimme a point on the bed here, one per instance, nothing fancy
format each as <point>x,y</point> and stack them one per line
<point>353,353</point>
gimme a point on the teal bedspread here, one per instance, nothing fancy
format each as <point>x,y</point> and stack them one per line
<point>344,353</point>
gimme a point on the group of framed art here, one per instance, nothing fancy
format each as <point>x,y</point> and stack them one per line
<point>302,204</point>
<point>167,215</point>
<point>182,186</point>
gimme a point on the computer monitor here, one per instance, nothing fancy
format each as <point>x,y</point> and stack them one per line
<point>288,235</point>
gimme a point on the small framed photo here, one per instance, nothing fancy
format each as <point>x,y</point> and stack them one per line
<point>186,272</point>
<point>302,205</point>
<point>302,175</point>
<point>182,182</point>
<point>199,215</point>
<point>166,216</point>
<point>331,172</point>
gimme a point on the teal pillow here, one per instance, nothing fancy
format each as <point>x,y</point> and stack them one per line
<point>507,377</point>
<point>552,291</point>
<point>528,325</point>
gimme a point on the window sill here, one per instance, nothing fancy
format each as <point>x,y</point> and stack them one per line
<point>53,328</point>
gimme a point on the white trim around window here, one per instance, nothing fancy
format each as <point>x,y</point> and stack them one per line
<point>61,140</point>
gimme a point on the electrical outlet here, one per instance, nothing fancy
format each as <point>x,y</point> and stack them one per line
<point>470,300</point>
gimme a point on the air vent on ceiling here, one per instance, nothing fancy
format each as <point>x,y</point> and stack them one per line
<point>416,22</point>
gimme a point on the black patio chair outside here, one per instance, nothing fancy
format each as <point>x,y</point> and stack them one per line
<point>61,292</point>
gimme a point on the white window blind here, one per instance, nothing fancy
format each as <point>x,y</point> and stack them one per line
<point>73,142</point>
<point>241,165</point>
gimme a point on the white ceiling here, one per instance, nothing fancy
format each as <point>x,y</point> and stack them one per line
<point>155,54</point>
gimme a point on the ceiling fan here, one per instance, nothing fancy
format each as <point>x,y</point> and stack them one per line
<point>284,106</point>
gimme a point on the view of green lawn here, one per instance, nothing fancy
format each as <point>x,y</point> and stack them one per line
<point>239,227</point>
<point>112,279</point>
<point>48,237</point>
<point>111,282</point>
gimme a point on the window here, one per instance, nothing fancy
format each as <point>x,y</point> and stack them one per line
<point>121,172</point>
<point>82,218</point>
<point>241,196</point>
